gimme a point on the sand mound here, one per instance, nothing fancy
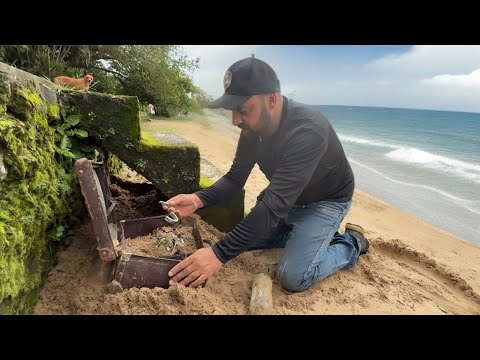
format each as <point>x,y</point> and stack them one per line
<point>391,279</point>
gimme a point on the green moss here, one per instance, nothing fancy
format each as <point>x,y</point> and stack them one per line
<point>148,141</point>
<point>205,182</point>
<point>6,122</point>
<point>23,304</point>
<point>27,105</point>
<point>115,165</point>
<point>38,106</point>
<point>173,168</point>
<point>40,193</point>
<point>106,117</point>
<point>33,97</point>
<point>143,116</point>
<point>53,111</point>
<point>5,93</point>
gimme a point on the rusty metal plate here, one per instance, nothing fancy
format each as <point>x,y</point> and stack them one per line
<point>96,202</point>
<point>141,271</point>
<point>139,227</point>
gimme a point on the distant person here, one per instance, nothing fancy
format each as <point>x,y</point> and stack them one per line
<point>310,190</point>
<point>152,109</point>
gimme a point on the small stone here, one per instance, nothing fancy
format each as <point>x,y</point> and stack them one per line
<point>114,287</point>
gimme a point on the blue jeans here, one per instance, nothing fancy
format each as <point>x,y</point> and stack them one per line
<point>313,247</point>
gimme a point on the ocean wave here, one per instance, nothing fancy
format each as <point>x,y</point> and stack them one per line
<point>415,156</point>
<point>471,205</point>
<point>357,140</point>
<point>457,167</point>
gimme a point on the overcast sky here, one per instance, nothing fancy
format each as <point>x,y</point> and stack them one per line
<point>442,77</point>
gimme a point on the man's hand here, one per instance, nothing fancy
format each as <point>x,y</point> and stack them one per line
<point>195,269</point>
<point>184,204</point>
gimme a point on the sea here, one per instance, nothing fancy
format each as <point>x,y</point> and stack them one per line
<point>423,162</point>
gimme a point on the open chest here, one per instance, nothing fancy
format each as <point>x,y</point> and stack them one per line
<point>129,262</point>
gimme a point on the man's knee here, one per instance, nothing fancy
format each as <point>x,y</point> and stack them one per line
<point>291,279</point>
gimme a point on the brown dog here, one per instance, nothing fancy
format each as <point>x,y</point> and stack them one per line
<point>79,84</point>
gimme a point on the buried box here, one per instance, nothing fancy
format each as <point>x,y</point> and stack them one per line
<point>128,269</point>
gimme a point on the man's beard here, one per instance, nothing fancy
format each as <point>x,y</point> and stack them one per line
<point>263,125</point>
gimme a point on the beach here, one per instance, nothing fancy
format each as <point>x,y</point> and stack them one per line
<point>412,267</point>
<point>421,251</point>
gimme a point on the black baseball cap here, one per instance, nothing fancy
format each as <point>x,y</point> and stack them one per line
<point>245,78</point>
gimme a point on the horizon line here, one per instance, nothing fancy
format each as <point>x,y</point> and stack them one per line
<point>390,107</point>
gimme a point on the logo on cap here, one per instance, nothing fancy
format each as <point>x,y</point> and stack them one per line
<point>227,80</point>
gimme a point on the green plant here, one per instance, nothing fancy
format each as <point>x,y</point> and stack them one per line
<point>57,233</point>
<point>73,141</point>
<point>140,164</point>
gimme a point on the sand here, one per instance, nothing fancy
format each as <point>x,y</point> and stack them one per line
<point>412,267</point>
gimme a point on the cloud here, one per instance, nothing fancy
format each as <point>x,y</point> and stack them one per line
<point>468,80</point>
<point>428,60</point>
<point>413,77</point>
<point>214,61</point>
<point>383,82</point>
<point>443,77</point>
<point>349,83</point>
<point>213,55</point>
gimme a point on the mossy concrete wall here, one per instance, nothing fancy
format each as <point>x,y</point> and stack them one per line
<point>39,196</point>
<point>114,122</point>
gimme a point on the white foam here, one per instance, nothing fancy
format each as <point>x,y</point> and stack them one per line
<point>357,140</point>
<point>461,168</point>
<point>470,205</point>
<point>411,155</point>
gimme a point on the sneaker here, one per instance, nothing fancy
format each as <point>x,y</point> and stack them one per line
<point>360,235</point>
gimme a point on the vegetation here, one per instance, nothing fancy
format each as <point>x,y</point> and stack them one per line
<point>200,100</point>
<point>157,74</point>
<point>73,142</point>
<point>39,193</point>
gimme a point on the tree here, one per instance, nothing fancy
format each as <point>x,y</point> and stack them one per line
<point>157,74</point>
<point>47,60</point>
<point>200,99</point>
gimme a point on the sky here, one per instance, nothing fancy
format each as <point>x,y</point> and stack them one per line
<point>436,77</point>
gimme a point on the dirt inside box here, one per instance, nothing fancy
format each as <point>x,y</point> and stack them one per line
<point>168,241</point>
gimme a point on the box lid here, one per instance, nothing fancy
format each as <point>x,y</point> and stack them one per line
<point>96,191</point>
